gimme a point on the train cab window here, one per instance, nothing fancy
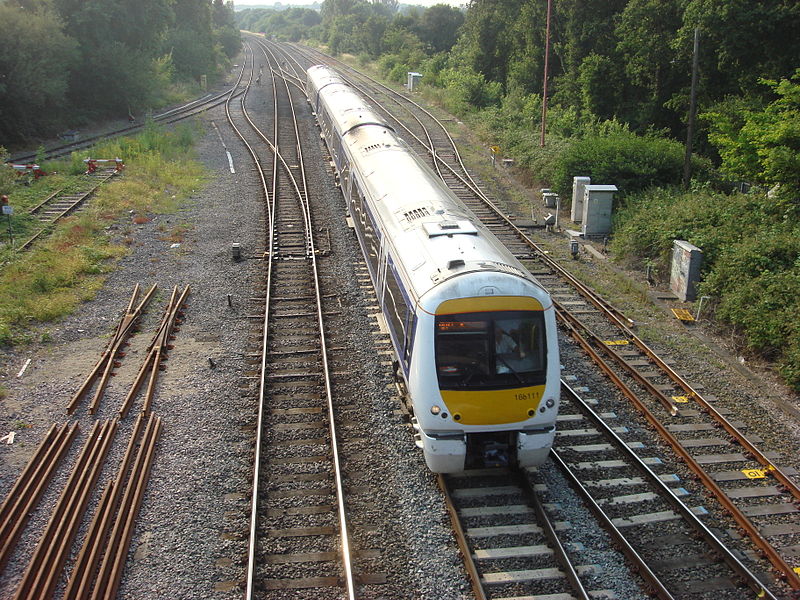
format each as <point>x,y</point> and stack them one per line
<point>490,350</point>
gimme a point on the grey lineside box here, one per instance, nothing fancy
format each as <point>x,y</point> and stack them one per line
<point>413,80</point>
<point>686,262</point>
<point>578,190</point>
<point>597,203</point>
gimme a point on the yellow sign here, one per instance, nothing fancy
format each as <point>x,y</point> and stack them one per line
<point>680,398</point>
<point>495,149</point>
<point>616,342</point>
<point>754,473</point>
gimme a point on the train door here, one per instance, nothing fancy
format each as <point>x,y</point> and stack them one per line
<point>381,279</point>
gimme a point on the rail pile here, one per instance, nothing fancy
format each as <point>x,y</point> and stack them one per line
<point>31,484</point>
<point>156,353</point>
<point>100,563</point>
<point>98,569</point>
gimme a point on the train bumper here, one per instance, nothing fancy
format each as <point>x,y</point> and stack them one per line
<point>534,446</point>
<point>444,454</point>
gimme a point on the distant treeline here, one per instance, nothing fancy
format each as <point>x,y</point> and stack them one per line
<point>67,61</point>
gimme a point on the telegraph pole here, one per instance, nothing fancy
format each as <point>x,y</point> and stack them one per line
<point>546,61</point>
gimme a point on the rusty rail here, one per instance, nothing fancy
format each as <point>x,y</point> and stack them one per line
<point>83,573</point>
<point>106,363</point>
<point>156,353</point>
<point>100,563</point>
<point>44,569</point>
<point>30,485</point>
<point>741,519</point>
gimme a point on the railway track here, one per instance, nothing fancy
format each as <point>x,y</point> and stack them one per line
<point>298,535</point>
<point>748,483</point>
<point>510,544</point>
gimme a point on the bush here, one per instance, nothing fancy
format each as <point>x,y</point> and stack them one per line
<point>629,161</point>
<point>468,91</point>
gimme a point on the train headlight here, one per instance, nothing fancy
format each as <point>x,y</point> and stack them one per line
<point>435,410</point>
<point>550,403</point>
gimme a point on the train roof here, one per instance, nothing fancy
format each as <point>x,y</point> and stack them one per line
<point>347,108</point>
<point>435,236</point>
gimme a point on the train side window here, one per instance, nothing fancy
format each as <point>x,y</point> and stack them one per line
<point>395,304</point>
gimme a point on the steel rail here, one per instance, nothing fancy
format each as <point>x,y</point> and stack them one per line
<point>116,548</point>
<point>151,365</point>
<point>741,519</point>
<point>44,568</point>
<point>27,244</point>
<point>640,379</point>
<point>259,442</point>
<point>461,540</point>
<point>651,579</point>
<point>552,537</point>
<point>337,468</point>
<point>131,503</point>
<point>85,568</point>
<point>125,327</point>
<point>301,195</point>
<point>771,468</point>
<point>29,487</point>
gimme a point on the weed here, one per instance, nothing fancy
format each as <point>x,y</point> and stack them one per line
<point>69,266</point>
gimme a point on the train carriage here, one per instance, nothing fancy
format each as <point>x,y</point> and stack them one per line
<point>474,333</point>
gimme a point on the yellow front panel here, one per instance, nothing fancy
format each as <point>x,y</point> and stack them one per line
<point>493,407</point>
<point>487,304</point>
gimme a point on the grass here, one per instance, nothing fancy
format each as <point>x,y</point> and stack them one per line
<point>70,266</point>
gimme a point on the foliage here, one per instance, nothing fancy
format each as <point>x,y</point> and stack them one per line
<point>68,61</point>
<point>624,159</point>
<point>751,260</point>
<point>762,145</point>
<point>469,90</point>
<point>291,25</point>
<point>35,64</point>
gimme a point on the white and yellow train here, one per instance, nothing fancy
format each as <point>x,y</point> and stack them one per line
<point>474,333</point>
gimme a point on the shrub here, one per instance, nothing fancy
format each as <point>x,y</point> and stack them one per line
<point>629,161</point>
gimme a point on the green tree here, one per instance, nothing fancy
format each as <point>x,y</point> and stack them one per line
<point>762,145</point>
<point>646,32</point>
<point>438,27</point>
<point>34,70</point>
<point>582,28</point>
<point>742,41</point>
